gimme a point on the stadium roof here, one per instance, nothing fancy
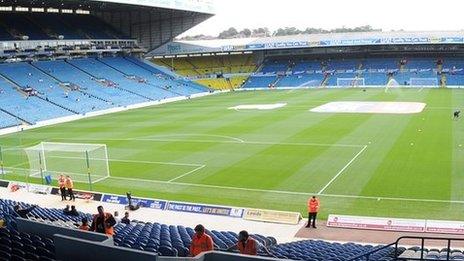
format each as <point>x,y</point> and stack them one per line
<point>151,22</point>
<point>308,41</point>
<point>198,6</point>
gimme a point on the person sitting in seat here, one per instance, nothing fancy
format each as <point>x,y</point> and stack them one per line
<point>73,211</point>
<point>85,224</point>
<point>22,212</point>
<point>126,219</point>
<point>201,242</point>
<point>246,245</point>
<point>66,210</point>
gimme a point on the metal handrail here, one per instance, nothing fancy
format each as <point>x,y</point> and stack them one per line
<point>396,245</point>
<point>370,252</point>
<point>422,239</point>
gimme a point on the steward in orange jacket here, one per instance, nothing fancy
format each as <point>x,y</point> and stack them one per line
<point>103,222</point>
<point>313,208</point>
<point>246,244</point>
<point>62,184</point>
<point>201,242</point>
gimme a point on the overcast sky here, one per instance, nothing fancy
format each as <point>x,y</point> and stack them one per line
<point>385,14</point>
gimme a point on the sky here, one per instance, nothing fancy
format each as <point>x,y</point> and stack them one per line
<point>410,15</point>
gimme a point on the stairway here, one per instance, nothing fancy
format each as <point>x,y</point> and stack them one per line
<point>276,81</point>
<point>17,117</point>
<point>119,88</point>
<point>57,104</point>
<point>443,80</point>
<point>325,80</point>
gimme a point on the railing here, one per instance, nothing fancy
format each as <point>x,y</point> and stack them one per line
<point>366,255</point>
<point>422,239</point>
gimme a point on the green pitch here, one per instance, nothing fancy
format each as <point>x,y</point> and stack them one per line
<point>409,165</point>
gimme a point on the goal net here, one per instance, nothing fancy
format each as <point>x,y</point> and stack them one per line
<point>423,81</point>
<point>350,82</point>
<point>86,163</point>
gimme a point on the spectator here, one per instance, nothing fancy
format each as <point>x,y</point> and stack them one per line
<point>313,208</point>
<point>246,245</point>
<point>62,185</point>
<point>66,210</point>
<point>69,187</point>
<point>126,219</point>
<point>201,242</point>
<point>73,211</point>
<point>103,222</point>
<point>116,216</point>
<point>22,212</point>
<point>85,224</point>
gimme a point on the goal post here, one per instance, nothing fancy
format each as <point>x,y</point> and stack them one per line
<point>85,163</point>
<point>350,82</point>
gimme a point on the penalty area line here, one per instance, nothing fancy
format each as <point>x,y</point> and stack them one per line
<point>342,170</point>
<point>186,174</point>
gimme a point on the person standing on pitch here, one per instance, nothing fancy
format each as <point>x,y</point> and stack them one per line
<point>62,184</point>
<point>313,208</point>
<point>69,187</point>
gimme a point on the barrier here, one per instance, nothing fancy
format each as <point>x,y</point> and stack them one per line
<point>445,227</point>
<point>377,223</point>
<point>4,184</point>
<point>397,224</point>
<point>80,194</point>
<point>272,216</point>
<point>143,202</point>
<point>33,188</point>
<point>205,209</point>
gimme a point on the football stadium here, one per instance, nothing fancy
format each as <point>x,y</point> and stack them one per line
<point>121,141</point>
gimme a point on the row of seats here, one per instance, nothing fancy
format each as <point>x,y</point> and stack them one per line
<point>349,72</point>
<point>79,86</point>
<point>45,26</point>
<point>317,250</point>
<point>174,240</point>
<point>23,246</point>
<point>236,67</point>
<point>223,83</point>
<point>433,254</point>
<point>205,65</point>
<point>168,240</point>
<point>6,120</point>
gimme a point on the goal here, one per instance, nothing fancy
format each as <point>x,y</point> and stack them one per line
<point>350,82</point>
<point>85,163</point>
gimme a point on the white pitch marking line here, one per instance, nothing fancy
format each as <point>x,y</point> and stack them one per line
<point>253,142</point>
<point>343,169</point>
<point>225,142</point>
<point>100,179</point>
<point>203,135</point>
<point>61,172</point>
<point>290,192</point>
<point>135,161</point>
<point>187,173</point>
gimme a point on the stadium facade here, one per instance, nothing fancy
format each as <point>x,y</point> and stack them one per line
<point>421,59</point>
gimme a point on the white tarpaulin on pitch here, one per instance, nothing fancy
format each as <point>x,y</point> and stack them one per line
<point>371,107</point>
<point>258,106</point>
